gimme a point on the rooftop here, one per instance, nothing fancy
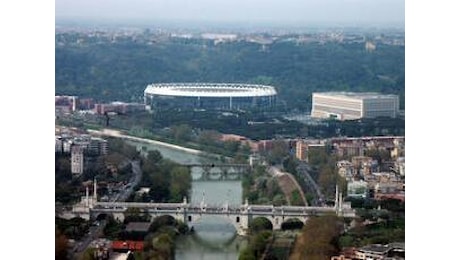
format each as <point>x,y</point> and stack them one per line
<point>375,248</point>
<point>128,245</point>
<point>210,90</point>
<point>356,95</point>
<point>138,226</point>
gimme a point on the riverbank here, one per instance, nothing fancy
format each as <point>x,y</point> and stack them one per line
<point>119,134</point>
<point>288,184</point>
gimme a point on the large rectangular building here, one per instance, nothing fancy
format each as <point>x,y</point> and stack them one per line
<point>350,106</point>
<point>77,160</point>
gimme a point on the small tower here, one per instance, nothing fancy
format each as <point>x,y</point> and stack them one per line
<point>202,204</point>
<point>336,204</point>
<point>87,197</point>
<point>340,203</point>
<point>95,191</point>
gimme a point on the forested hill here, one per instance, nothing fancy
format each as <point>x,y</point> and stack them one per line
<point>121,70</point>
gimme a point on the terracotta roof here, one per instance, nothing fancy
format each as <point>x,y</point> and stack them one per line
<point>128,245</point>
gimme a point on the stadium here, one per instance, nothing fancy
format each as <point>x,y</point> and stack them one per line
<point>220,96</point>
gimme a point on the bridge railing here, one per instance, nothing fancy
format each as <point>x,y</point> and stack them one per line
<point>215,208</point>
<point>212,165</point>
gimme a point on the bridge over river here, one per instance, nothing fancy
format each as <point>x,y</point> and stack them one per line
<point>240,216</point>
<point>220,171</point>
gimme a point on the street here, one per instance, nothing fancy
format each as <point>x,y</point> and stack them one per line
<point>303,169</point>
<point>95,231</point>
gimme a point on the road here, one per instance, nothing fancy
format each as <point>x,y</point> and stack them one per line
<point>304,171</point>
<point>93,233</point>
<point>96,230</point>
<point>133,182</point>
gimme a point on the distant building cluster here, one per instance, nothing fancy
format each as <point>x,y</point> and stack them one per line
<point>374,166</point>
<point>69,104</point>
<point>84,37</point>
<point>370,46</point>
<point>101,248</point>
<point>352,146</point>
<point>80,148</point>
<point>357,146</point>
<point>352,106</point>
<point>219,37</point>
<point>304,147</point>
<point>255,146</point>
<point>118,107</point>
<point>367,176</point>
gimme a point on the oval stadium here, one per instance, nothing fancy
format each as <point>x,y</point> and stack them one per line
<point>221,96</point>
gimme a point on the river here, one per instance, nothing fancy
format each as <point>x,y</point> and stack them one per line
<point>214,237</point>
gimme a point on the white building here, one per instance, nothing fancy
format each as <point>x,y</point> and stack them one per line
<point>345,169</point>
<point>66,145</point>
<point>58,144</point>
<point>357,189</point>
<point>77,160</point>
<point>97,146</point>
<point>350,106</point>
<point>400,166</point>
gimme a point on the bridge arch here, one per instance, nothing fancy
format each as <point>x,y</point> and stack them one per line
<point>178,216</point>
<point>239,222</point>
<point>260,223</point>
<point>165,219</point>
<point>102,216</point>
<point>292,223</point>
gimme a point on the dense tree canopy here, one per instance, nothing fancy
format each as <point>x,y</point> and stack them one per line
<point>168,181</point>
<point>121,71</point>
<point>318,239</point>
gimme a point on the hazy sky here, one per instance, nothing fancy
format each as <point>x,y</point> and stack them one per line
<point>351,12</point>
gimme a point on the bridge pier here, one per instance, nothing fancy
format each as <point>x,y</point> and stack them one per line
<point>242,224</point>
<point>276,222</point>
<point>119,216</point>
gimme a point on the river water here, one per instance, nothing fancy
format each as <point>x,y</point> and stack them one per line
<point>214,237</point>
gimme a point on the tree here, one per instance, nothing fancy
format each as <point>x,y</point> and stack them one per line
<point>259,241</point>
<point>259,224</point>
<point>154,156</point>
<point>296,198</point>
<point>327,179</point>
<point>181,183</point>
<point>61,245</point>
<point>247,254</point>
<point>181,132</point>
<point>62,168</point>
<point>317,157</point>
<point>208,137</point>
<point>381,155</point>
<point>163,245</point>
<point>279,151</point>
<point>318,238</point>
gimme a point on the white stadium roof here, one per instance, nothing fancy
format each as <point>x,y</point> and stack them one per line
<point>209,90</point>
